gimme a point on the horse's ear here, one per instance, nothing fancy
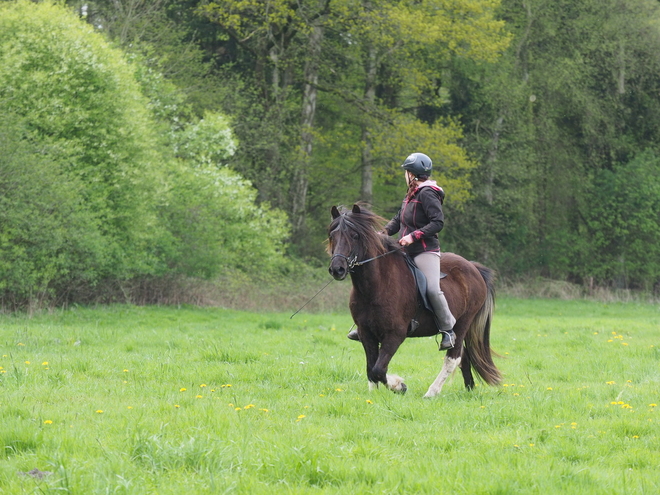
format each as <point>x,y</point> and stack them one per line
<point>335,212</point>
<point>356,209</point>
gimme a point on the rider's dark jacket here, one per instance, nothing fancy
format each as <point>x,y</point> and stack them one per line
<point>421,216</point>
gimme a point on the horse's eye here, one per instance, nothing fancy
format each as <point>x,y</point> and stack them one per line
<point>355,235</point>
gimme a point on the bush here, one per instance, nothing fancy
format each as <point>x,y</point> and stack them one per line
<point>78,97</point>
<point>49,238</point>
<point>96,192</point>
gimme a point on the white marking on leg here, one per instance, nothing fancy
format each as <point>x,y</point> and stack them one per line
<point>395,383</point>
<point>448,368</point>
<point>372,386</point>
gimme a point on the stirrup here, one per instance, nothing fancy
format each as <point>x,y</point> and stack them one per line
<point>448,340</point>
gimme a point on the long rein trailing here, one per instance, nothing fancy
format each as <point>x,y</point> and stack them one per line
<point>352,263</point>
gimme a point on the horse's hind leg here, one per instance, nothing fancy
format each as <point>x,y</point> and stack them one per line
<point>466,370</point>
<point>451,362</point>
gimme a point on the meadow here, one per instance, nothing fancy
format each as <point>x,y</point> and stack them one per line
<point>166,400</point>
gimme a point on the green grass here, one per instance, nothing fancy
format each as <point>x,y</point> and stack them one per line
<point>163,400</point>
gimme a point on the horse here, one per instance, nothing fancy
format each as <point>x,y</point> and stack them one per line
<point>385,303</point>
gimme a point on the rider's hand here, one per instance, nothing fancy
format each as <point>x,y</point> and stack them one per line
<point>406,240</point>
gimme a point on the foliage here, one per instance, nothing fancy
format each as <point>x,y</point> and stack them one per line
<point>49,238</point>
<point>623,225</point>
<point>570,106</point>
<point>251,402</point>
<point>217,226</point>
<point>102,185</point>
<point>78,97</point>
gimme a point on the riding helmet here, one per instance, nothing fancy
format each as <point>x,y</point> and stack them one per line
<point>418,164</point>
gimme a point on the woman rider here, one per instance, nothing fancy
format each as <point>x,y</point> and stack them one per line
<point>419,220</point>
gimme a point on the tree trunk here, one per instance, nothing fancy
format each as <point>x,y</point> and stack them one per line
<point>366,189</point>
<point>300,177</point>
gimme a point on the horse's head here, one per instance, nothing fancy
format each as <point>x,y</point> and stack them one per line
<point>352,237</point>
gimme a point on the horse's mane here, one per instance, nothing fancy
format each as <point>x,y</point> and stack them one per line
<point>368,226</point>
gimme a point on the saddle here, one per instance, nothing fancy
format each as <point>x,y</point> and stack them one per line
<point>422,284</point>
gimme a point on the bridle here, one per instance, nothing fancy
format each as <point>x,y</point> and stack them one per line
<point>353,262</point>
<point>351,259</point>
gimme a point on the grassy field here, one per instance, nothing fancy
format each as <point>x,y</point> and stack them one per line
<point>163,400</point>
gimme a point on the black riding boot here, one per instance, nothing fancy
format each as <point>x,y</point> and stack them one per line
<point>353,335</point>
<point>448,340</point>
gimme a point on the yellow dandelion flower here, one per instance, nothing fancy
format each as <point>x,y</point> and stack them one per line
<point>177,406</point>
<point>610,340</point>
<point>652,405</point>
<point>573,424</point>
<point>549,388</point>
<point>45,363</point>
<point>482,407</point>
<point>516,446</point>
<point>99,411</point>
<point>302,416</point>
<point>264,410</point>
<point>48,422</point>
<point>624,343</point>
<point>339,390</point>
<point>227,385</point>
<point>202,385</point>
<point>182,389</point>
<point>369,402</point>
<point>199,396</point>
<point>635,436</point>
<point>531,445</point>
<point>129,407</point>
<point>27,362</point>
<point>230,404</point>
<point>20,343</point>
<point>237,409</point>
<point>610,383</point>
<point>557,426</point>
<point>249,406</point>
<point>516,395</point>
<point>125,371</point>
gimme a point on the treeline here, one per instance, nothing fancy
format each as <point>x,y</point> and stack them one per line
<point>542,119</point>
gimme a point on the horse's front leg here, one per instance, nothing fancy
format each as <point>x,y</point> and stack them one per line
<point>388,347</point>
<point>370,345</point>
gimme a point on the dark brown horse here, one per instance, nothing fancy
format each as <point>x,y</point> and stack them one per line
<point>384,301</point>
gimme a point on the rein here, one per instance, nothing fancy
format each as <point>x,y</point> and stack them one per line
<point>352,263</point>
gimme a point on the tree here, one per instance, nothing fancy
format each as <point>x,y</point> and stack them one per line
<point>573,97</point>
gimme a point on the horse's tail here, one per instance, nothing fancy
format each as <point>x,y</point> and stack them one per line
<point>477,340</point>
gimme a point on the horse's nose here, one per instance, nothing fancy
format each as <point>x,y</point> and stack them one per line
<point>338,272</point>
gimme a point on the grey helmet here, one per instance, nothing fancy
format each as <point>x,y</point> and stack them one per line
<point>418,164</point>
